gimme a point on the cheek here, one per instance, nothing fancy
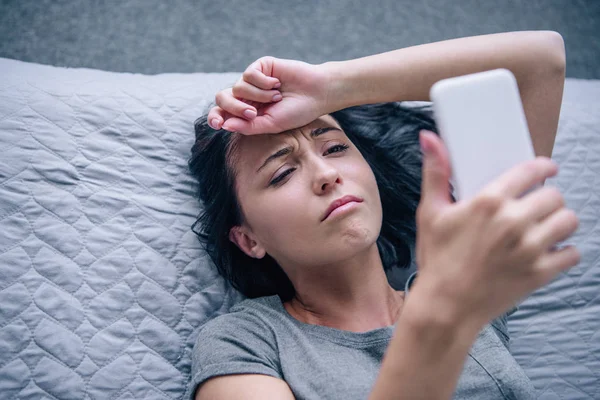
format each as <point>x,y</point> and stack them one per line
<point>371,182</point>
<point>361,173</point>
<point>366,179</point>
<point>280,217</point>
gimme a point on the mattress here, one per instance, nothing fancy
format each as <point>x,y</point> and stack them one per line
<point>103,285</point>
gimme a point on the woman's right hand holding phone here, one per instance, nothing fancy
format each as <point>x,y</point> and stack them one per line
<point>479,257</point>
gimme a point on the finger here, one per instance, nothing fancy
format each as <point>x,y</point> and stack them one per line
<point>556,228</point>
<point>553,262</point>
<point>255,76</point>
<point>523,177</point>
<point>250,92</point>
<point>540,203</point>
<point>216,116</point>
<point>435,186</point>
<point>259,125</point>
<point>236,107</point>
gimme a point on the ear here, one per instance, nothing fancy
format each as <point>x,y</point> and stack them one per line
<point>245,241</point>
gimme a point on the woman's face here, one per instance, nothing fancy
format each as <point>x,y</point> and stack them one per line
<point>285,184</point>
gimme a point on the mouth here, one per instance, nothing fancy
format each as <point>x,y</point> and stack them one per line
<point>340,203</point>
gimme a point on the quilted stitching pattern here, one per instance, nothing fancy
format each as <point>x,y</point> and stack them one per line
<point>556,332</point>
<point>102,283</point>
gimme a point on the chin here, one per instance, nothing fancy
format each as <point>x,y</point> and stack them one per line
<point>357,234</point>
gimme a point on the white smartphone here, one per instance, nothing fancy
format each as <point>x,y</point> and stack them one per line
<point>481,120</point>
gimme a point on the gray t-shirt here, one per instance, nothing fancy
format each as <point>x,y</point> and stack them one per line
<point>259,336</point>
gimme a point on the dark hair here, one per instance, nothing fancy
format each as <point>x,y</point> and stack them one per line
<point>386,134</point>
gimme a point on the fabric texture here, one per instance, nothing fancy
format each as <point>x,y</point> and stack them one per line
<point>259,336</point>
<point>102,281</point>
<point>103,286</point>
<point>153,36</point>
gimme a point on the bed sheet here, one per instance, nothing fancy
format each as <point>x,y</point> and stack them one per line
<point>102,283</point>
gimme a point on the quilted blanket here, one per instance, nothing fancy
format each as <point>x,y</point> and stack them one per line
<point>103,285</point>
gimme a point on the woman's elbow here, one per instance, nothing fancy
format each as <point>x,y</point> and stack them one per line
<point>555,45</point>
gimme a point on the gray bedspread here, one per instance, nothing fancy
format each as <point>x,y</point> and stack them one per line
<point>102,283</point>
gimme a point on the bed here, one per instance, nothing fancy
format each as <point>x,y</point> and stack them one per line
<point>103,285</point>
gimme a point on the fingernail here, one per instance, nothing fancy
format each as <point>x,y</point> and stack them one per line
<point>425,146</point>
<point>225,127</point>
<point>277,85</point>
<point>214,123</point>
<point>277,97</point>
<point>250,114</point>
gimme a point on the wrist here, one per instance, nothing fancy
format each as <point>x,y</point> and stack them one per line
<point>339,91</point>
<point>427,311</point>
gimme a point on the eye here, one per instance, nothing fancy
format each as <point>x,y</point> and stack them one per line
<point>333,149</point>
<point>336,149</point>
<point>281,176</point>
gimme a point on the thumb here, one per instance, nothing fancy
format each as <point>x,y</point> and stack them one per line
<point>435,187</point>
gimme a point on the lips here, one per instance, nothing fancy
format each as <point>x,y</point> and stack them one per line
<point>338,203</point>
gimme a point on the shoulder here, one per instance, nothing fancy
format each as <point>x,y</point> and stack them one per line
<point>239,342</point>
<point>245,316</point>
<point>246,327</point>
<point>259,305</point>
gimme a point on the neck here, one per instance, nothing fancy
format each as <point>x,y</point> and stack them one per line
<point>352,295</point>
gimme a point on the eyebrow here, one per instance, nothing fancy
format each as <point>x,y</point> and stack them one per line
<point>287,150</point>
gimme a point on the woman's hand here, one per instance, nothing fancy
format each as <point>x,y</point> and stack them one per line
<point>479,257</point>
<point>273,95</point>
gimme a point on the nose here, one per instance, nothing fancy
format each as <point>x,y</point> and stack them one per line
<point>326,177</point>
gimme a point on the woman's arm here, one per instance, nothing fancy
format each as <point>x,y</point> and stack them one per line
<point>426,354</point>
<point>274,95</point>
<point>536,58</point>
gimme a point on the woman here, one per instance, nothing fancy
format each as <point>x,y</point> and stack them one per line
<point>309,198</point>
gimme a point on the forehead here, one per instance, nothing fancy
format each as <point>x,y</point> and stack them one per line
<point>248,151</point>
